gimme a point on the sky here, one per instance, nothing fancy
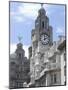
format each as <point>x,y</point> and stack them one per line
<point>22,21</point>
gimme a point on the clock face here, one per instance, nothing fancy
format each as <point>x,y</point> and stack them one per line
<point>44,39</point>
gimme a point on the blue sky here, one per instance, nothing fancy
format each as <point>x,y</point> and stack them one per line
<point>22,20</point>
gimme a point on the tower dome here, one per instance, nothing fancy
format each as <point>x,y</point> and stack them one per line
<point>19,45</point>
<point>42,11</point>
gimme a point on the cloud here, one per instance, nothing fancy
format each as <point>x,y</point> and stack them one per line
<point>28,11</point>
<point>25,11</point>
<point>13,48</point>
<point>60,30</point>
<point>19,19</point>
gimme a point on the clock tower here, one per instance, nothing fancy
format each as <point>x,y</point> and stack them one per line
<point>42,35</point>
<point>42,40</point>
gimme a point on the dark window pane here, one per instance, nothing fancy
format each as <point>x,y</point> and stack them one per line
<point>43,24</point>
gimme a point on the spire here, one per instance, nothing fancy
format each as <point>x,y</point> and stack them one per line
<point>41,5</point>
<point>19,45</point>
<point>19,38</point>
<point>42,10</point>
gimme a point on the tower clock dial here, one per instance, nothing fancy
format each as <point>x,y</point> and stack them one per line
<point>44,39</point>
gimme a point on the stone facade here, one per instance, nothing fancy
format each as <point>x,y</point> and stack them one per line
<point>18,68</point>
<point>62,50</point>
<point>45,58</point>
<point>46,65</point>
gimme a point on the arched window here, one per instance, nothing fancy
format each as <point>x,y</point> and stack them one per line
<point>43,24</point>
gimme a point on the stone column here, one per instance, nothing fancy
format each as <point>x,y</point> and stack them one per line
<point>62,69</point>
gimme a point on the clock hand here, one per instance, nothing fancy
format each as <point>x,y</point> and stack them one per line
<point>45,38</point>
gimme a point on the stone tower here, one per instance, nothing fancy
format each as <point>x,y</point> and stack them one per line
<point>19,68</point>
<point>42,39</point>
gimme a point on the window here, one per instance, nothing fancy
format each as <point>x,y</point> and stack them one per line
<point>65,70</point>
<point>64,56</point>
<point>43,24</point>
<point>53,78</point>
<point>47,25</point>
<point>19,55</point>
<point>54,59</point>
<point>18,76</point>
<point>17,84</point>
<point>12,63</point>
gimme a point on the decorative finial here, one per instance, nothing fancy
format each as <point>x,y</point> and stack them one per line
<point>41,5</point>
<point>19,38</point>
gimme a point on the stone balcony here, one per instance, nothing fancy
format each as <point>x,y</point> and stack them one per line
<point>54,66</point>
<point>50,66</point>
